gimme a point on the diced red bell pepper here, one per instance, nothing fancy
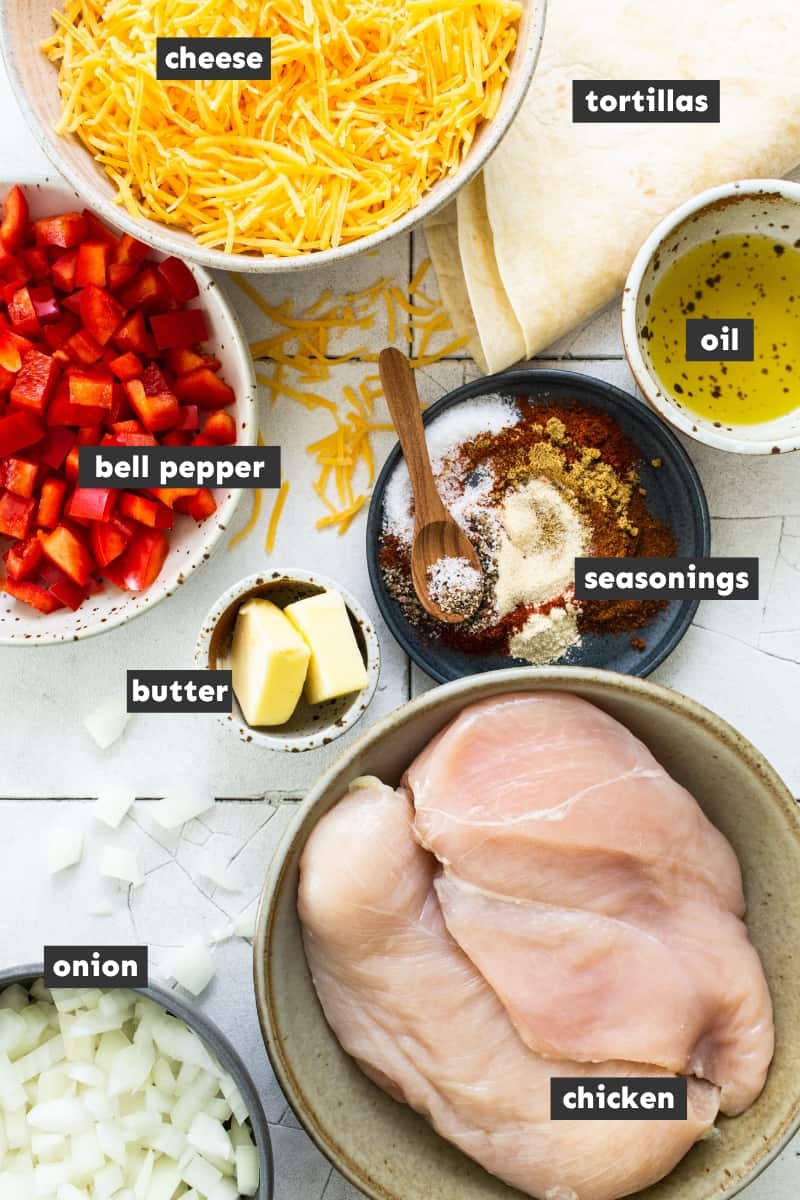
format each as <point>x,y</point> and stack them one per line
<point>190,418</point>
<point>129,439</point>
<point>154,381</point>
<point>140,565</point>
<point>59,333</point>
<point>156,413</point>
<point>16,515</point>
<point>147,512</point>
<point>83,349</point>
<point>186,327</point>
<point>132,335</point>
<point>33,594</point>
<point>119,274</point>
<point>64,269</point>
<point>200,439</point>
<point>15,219</point>
<point>108,539</point>
<point>199,506</point>
<point>126,366</point>
<point>35,382</point>
<point>89,435</point>
<point>65,230</point>
<point>19,476</point>
<point>10,355</point>
<point>221,428</point>
<point>37,262</point>
<point>18,430</point>
<point>61,410</point>
<point>55,447</point>
<point>176,437</point>
<point>92,262</point>
<point>6,381</point>
<point>100,313</point>
<point>22,313</point>
<point>203,388</point>
<point>179,279</point>
<point>96,231</point>
<point>92,504</point>
<point>129,250</point>
<point>64,549</point>
<point>23,558</point>
<point>182,360</point>
<point>45,304</point>
<point>93,389</point>
<point>69,594</point>
<point>51,500</point>
<point>146,290</point>
<point>71,464</point>
<point>127,427</point>
<point>170,496</point>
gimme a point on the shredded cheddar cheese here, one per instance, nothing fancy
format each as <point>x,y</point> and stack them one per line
<point>297,359</point>
<point>371,102</point>
<point>275,516</point>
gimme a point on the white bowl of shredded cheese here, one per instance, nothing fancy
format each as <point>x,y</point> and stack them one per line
<point>373,118</point>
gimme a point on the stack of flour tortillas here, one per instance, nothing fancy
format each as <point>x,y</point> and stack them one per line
<point>546,235</point>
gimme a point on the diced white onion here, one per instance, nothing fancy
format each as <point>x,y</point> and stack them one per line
<point>119,863</point>
<point>245,923</point>
<point>107,722</point>
<point>179,807</point>
<point>192,966</point>
<point>112,804</point>
<point>105,1096</point>
<point>64,849</point>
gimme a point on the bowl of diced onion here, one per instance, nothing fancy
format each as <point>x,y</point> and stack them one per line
<point>337,150</point>
<point>116,1092</point>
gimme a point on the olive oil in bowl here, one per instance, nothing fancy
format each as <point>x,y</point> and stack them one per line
<point>732,276</point>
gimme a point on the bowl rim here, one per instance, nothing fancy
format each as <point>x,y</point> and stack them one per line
<point>247,413</point>
<point>212,1035</point>
<point>662,403</point>
<point>360,701</point>
<point>150,231</point>
<point>489,384</point>
<point>473,688</point>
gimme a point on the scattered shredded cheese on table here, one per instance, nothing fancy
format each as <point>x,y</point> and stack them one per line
<point>371,102</point>
<point>301,345</point>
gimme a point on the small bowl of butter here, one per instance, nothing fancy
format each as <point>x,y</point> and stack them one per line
<point>711,317</point>
<point>303,654</point>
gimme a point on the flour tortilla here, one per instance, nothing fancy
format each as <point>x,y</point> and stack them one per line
<point>441,234</point>
<point>568,205</point>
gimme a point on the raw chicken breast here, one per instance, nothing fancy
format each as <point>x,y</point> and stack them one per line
<point>592,893</point>
<point>412,1009</point>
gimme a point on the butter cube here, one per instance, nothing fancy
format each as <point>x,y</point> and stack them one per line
<point>336,666</point>
<point>269,660</point>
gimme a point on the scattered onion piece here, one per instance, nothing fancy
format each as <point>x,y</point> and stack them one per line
<point>119,863</point>
<point>179,807</point>
<point>64,849</point>
<point>191,966</point>
<point>107,722</point>
<point>112,804</point>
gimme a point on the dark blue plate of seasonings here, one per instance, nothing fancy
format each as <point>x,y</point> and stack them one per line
<point>539,467</point>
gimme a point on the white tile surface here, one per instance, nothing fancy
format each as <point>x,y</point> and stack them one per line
<point>743,660</point>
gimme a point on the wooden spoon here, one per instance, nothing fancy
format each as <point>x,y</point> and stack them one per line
<point>436,534</point>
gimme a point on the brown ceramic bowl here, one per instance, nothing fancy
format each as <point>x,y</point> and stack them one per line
<point>390,1152</point>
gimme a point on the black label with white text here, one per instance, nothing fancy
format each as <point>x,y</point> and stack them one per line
<point>88,966</point>
<point>180,691</point>
<point>645,100</point>
<point>727,339</point>
<point>179,466</point>
<point>213,58</point>
<point>666,578</point>
<point>640,1098</point>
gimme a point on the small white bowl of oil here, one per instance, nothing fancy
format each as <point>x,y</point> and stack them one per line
<point>730,254</point>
